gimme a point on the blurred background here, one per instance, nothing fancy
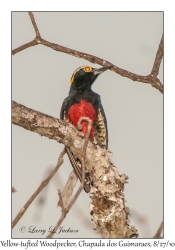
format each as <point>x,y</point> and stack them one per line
<point>134,111</point>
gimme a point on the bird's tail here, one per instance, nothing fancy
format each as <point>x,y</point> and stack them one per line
<point>78,170</point>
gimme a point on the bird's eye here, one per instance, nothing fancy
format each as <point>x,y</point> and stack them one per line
<point>87,69</point>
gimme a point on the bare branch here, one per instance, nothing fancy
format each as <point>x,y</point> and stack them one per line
<point>48,126</point>
<point>68,189</point>
<point>108,204</point>
<point>39,189</point>
<point>150,79</point>
<point>61,200</point>
<point>76,209</point>
<point>34,24</point>
<point>66,210</point>
<point>158,59</point>
<point>82,160</point>
<point>79,126</point>
<point>159,231</point>
<point>25,46</point>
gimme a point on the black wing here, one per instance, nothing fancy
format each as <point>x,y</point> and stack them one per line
<point>101,128</point>
<point>63,110</point>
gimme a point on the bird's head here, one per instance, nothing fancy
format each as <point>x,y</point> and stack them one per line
<point>84,76</point>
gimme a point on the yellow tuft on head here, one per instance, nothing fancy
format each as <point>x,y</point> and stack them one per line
<point>85,68</point>
<point>72,80</point>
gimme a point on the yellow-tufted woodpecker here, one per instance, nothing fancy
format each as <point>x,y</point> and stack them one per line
<point>83,102</point>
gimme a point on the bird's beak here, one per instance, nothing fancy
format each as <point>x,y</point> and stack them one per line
<point>101,70</point>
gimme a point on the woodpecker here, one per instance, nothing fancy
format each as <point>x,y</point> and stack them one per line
<point>82,101</point>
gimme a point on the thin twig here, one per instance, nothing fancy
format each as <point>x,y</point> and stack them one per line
<point>68,189</point>
<point>158,59</point>
<point>79,126</point>
<point>66,210</point>
<point>39,189</point>
<point>76,209</point>
<point>34,24</point>
<point>159,231</point>
<point>150,79</point>
<point>61,200</point>
<point>24,46</point>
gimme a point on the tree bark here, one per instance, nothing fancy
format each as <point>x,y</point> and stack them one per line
<point>108,210</point>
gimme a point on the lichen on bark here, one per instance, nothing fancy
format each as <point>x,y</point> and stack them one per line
<point>108,210</point>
